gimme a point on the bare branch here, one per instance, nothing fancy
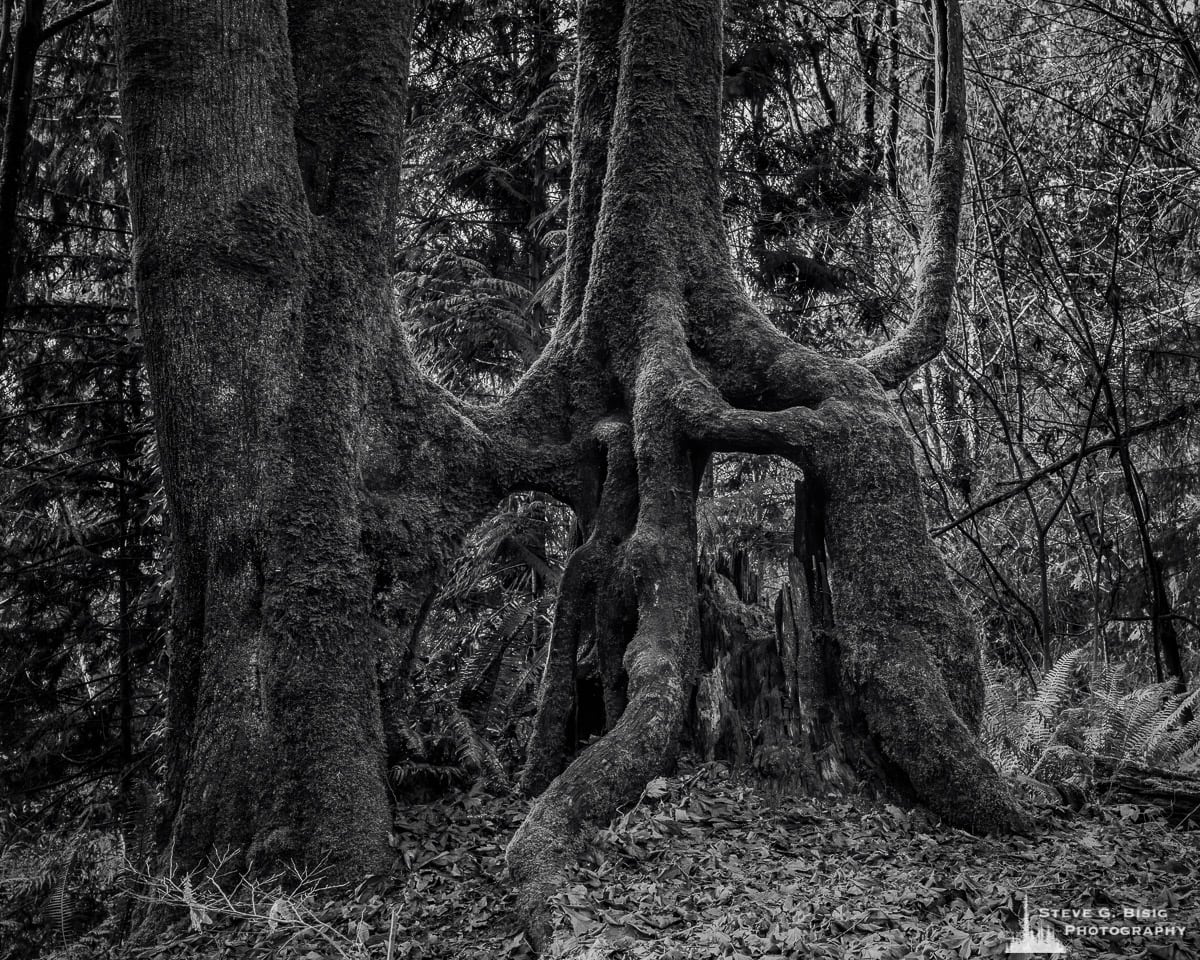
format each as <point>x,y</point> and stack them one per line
<point>1179,413</point>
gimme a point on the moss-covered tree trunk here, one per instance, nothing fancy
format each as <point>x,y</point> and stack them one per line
<point>317,482</point>
<point>262,279</point>
<point>692,367</point>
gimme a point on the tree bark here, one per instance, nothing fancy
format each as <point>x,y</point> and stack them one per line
<point>317,483</point>
<point>18,117</point>
<point>696,368</point>
<point>222,235</point>
<point>925,335</point>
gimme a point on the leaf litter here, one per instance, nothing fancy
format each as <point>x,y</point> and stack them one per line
<point>710,865</point>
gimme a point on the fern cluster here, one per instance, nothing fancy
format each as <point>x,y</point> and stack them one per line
<point>55,887</point>
<point>444,750</point>
<point>1081,712</point>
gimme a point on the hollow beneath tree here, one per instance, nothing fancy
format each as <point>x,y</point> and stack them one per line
<point>769,697</point>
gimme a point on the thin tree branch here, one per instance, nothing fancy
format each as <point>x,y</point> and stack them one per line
<point>894,361</point>
<point>1179,413</point>
<point>61,24</point>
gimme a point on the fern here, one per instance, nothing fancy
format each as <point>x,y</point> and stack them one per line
<point>404,773</point>
<point>1161,737</point>
<point>1142,709</point>
<point>1111,725</point>
<point>59,911</point>
<point>412,740</point>
<point>1001,719</point>
<point>468,322</point>
<point>450,753</point>
<point>474,753</point>
<point>504,627</point>
<point>1172,745</point>
<point>1055,690</point>
<point>1185,706</point>
<point>527,681</point>
<point>1068,721</point>
<point>1189,758</point>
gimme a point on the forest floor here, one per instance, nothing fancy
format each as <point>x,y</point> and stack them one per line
<point>708,865</point>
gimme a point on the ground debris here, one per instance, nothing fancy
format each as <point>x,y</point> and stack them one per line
<point>707,865</point>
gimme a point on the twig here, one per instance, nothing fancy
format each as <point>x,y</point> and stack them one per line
<point>1179,413</point>
<point>58,26</point>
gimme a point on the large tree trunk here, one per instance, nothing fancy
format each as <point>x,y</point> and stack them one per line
<point>316,483</point>
<point>692,367</point>
<point>262,282</point>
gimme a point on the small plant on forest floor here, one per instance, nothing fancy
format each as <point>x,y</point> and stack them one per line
<point>55,888</point>
<point>444,750</point>
<point>294,911</point>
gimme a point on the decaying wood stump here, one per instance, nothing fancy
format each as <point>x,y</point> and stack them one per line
<point>768,695</point>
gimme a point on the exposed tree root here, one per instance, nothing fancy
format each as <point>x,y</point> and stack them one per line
<point>591,604</point>
<point>371,475</point>
<point>556,695</point>
<point>695,368</point>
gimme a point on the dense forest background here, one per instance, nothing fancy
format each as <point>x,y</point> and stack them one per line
<point>1056,435</point>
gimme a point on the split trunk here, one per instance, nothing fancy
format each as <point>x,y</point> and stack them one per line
<point>317,483</point>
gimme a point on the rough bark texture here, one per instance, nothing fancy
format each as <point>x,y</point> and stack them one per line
<point>317,483</point>
<point>221,243</point>
<point>747,708</point>
<point>769,696</point>
<point>695,368</point>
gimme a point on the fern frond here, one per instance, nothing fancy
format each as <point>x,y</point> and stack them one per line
<point>527,680</point>
<point>1144,709</point>
<point>1002,728</point>
<point>59,911</point>
<point>1184,705</point>
<point>1189,760</point>
<point>1052,696</point>
<point>1169,748</point>
<point>1109,723</point>
<point>473,751</point>
<point>413,741</point>
<point>404,773</point>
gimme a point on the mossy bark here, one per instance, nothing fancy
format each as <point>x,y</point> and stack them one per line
<point>222,238</point>
<point>694,368</point>
<point>317,483</point>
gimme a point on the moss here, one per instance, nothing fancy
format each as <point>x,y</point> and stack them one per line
<point>276,340</point>
<point>267,236</point>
